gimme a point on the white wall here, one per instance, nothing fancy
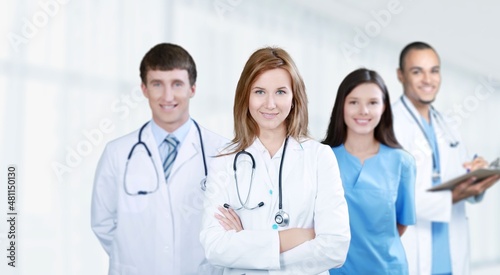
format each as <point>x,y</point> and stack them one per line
<point>69,82</point>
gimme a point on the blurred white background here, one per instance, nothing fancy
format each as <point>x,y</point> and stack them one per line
<point>69,83</point>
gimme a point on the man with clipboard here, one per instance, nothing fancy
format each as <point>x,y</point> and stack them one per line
<point>438,243</point>
<point>478,174</point>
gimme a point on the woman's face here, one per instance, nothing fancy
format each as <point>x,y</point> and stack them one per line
<point>271,100</point>
<point>363,108</point>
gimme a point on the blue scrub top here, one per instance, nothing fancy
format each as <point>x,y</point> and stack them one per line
<point>379,194</point>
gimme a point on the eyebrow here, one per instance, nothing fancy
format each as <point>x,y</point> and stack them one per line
<point>161,80</point>
<point>371,98</point>
<point>420,68</point>
<point>153,80</point>
<point>279,88</point>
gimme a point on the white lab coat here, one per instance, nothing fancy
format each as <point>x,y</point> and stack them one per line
<point>433,206</point>
<point>156,233</point>
<point>313,197</point>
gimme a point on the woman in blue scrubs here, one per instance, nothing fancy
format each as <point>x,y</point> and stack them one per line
<point>378,176</point>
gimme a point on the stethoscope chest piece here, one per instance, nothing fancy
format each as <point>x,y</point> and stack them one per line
<point>282,218</point>
<point>203,184</point>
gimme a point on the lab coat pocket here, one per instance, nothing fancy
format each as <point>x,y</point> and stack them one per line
<point>299,196</point>
<point>117,268</point>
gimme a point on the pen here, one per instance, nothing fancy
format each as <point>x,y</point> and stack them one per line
<point>473,158</point>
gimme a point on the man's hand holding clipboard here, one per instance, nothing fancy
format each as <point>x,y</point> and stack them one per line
<point>472,183</point>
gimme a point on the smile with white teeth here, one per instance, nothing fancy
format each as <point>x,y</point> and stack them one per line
<point>428,89</point>
<point>362,121</point>
<point>167,107</point>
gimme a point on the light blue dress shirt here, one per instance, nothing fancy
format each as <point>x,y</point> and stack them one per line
<point>160,134</point>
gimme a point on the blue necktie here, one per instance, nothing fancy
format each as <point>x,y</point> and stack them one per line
<point>171,153</point>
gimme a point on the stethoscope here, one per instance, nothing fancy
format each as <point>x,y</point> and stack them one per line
<point>203,182</point>
<point>281,218</point>
<point>453,142</point>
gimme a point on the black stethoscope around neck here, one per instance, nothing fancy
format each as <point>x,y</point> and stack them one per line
<point>140,143</point>
<point>281,218</point>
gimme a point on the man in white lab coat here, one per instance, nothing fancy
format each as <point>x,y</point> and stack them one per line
<point>439,242</point>
<point>148,197</point>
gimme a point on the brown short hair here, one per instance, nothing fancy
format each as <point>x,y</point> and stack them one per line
<point>166,57</point>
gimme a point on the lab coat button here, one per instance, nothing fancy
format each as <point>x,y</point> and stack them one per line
<point>270,191</point>
<point>275,226</point>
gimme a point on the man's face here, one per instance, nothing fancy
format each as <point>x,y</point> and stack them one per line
<point>420,76</point>
<point>168,93</point>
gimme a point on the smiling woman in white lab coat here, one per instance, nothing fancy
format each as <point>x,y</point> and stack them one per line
<point>288,213</point>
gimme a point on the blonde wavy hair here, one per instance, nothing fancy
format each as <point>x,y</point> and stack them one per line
<point>245,127</point>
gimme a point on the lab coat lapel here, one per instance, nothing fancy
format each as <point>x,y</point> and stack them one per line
<point>442,145</point>
<point>149,140</point>
<point>293,156</point>
<point>419,141</point>
<point>414,113</point>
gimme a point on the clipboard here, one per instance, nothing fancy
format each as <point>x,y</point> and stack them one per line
<point>480,174</point>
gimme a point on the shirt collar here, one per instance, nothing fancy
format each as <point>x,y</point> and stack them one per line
<point>407,102</point>
<point>262,149</point>
<point>180,134</point>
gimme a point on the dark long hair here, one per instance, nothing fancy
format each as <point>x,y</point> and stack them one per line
<point>337,129</point>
